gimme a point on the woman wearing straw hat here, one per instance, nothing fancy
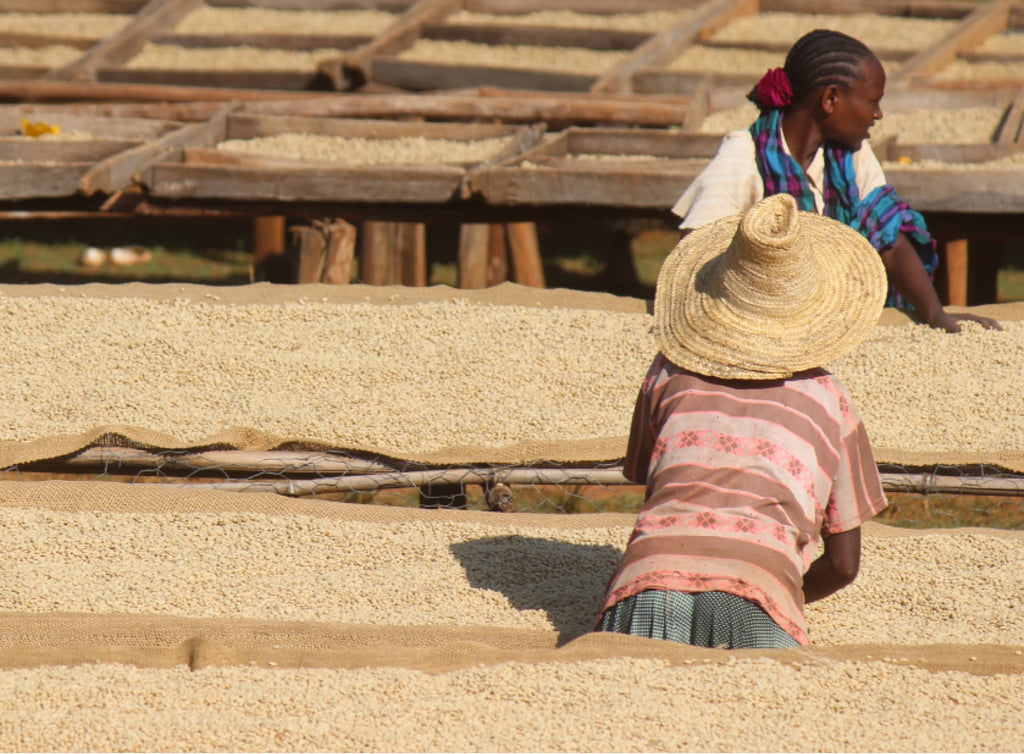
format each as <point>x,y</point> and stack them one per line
<point>751,453</point>
<point>809,141</point>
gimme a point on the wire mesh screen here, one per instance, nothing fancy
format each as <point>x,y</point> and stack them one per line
<point>980,495</point>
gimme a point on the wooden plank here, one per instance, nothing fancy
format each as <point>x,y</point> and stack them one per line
<point>665,46</point>
<point>418,76</point>
<point>15,39</point>
<point>474,242</point>
<point>392,6</point>
<point>60,151</point>
<point>242,125</point>
<point>267,41</point>
<point>782,47</point>
<point>626,187</point>
<point>116,172</point>
<point>393,183</point>
<point>354,69</point>
<point>921,98</point>
<point>913,8</point>
<point>984,21</point>
<point>661,80</point>
<point>1010,132</point>
<point>77,92</point>
<point>543,36</point>
<point>73,6</point>
<point>555,110</point>
<point>950,153</point>
<point>974,56</point>
<point>123,45</point>
<point>40,181</point>
<point>658,142</point>
<point>253,80</point>
<point>964,191</point>
<point>959,86</point>
<point>524,140</point>
<point>307,247</point>
<point>127,129</point>
<point>580,6</point>
<point>20,73</point>
<point>524,250</point>
<point>700,106</point>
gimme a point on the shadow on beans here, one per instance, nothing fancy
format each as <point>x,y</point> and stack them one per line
<point>563,579</point>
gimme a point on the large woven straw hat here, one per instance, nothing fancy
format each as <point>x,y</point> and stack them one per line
<point>767,294</point>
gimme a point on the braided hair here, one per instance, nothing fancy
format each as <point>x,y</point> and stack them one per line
<point>820,58</point>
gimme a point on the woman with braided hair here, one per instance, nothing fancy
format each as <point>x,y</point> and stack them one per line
<point>810,142</point>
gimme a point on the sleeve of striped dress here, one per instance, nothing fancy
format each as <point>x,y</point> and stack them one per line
<point>641,440</point>
<point>857,493</point>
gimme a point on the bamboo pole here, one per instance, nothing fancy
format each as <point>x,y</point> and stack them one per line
<point>350,474</point>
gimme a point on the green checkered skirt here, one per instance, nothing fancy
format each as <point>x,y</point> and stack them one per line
<point>703,619</point>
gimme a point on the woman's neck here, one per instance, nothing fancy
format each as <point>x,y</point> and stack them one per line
<point>802,135</point>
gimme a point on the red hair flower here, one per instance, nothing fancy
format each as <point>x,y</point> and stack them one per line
<point>774,89</point>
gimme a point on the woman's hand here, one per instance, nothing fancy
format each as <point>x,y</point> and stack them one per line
<point>951,322</point>
<point>907,273</point>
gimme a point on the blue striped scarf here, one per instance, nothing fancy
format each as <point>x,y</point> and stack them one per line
<point>880,217</point>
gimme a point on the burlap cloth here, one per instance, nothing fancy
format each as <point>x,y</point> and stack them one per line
<point>597,449</point>
<point>31,639</point>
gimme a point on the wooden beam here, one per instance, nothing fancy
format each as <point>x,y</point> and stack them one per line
<point>355,68</point>
<point>474,241</point>
<point>75,6</point>
<point>912,8</point>
<point>497,255</point>
<point>412,244</point>
<point>307,247</point>
<point>662,48</point>
<point>340,253</point>
<point>373,255</point>
<point>123,45</point>
<point>269,240</point>
<point>1010,132</point>
<point>527,266</point>
<point>423,76</point>
<point>986,20</point>
<point>78,92</point>
<point>117,172</point>
<point>490,105</point>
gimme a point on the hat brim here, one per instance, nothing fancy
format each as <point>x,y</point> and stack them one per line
<point>707,335</point>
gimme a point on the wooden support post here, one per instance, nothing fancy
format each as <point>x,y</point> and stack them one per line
<point>411,242</point>
<point>307,248</point>
<point>268,247</point>
<point>956,272</point>
<point>497,255</point>
<point>373,252</point>
<point>393,253</point>
<point>474,239</point>
<point>341,247</point>
<point>527,268</point>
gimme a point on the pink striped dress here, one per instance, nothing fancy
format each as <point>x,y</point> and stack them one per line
<point>743,478</point>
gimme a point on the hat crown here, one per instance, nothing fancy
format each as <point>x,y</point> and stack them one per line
<point>768,266</point>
